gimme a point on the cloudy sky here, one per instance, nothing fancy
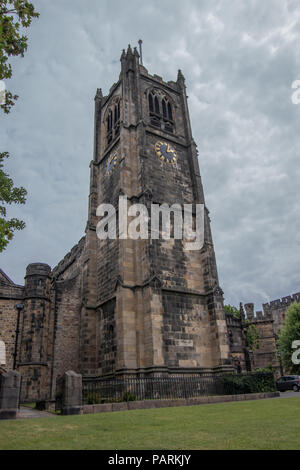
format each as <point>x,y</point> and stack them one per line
<point>239,58</point>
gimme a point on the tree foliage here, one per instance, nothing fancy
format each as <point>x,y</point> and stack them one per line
<point>8,195</point>
<point>14,14</point>
<point>253,337</point>
<point>232,310</point>
<point>289,333</point>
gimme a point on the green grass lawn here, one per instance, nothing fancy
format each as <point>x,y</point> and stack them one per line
<point>261,424</point>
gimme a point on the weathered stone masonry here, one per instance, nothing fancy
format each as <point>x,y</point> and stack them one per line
<point>125,307</point>
<point>267,324</point>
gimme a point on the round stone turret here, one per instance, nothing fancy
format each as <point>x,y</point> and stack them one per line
<point>35,279</point>
<point>38,269</point>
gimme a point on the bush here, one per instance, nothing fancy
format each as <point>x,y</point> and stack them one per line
<point>93,398</point>
<point>128,396</point>
<point>269,368</point>
<point>261,382</point>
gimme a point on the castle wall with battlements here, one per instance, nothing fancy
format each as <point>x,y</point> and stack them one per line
<point>266,325</point>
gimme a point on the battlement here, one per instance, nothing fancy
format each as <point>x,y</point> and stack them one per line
<point>256,316</point>
<point>69,258</point>
<point>130,60</point>
<point>282,303</point>
<point>232,321</point>
<point>270,309</point>
<point>157,78</point>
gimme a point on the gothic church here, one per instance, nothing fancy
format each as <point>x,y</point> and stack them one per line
<point>119,307</point>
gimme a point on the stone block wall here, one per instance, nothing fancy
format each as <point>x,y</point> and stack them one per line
<point>266,324</point>
<point>11,294</point>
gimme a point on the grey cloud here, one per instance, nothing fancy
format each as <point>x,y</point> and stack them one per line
<point>239,60</point>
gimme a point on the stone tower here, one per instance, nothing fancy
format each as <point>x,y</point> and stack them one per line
<point>34,337</point>
<point>151,306</point>
<point>113,307</point>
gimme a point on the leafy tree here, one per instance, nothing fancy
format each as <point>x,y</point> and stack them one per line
<point>13,15</point>
<point>252,333</point>
<point>8,195</point>
<point>232,311</point>
<point>269,368</point>
<point>252,336</point>
<point>289,333</point>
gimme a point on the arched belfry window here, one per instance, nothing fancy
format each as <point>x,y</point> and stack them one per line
<point>156,105</point>
<point>160,111</point>
<point>117,118</point>
<point>170,112</point>
<point>164,108</point>
<point>109,126</point>
<point>113,122</point>
<point>150,99</point>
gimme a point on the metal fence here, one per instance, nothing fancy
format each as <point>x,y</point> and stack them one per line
<point>104,390</point>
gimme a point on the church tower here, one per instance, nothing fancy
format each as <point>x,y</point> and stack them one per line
<point>149,306</point>
<point>140,306</point>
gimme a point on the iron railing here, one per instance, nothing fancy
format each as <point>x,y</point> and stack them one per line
<point>105,390</point>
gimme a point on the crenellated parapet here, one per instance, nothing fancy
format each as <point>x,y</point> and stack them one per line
<point>232,321</point>
<point>69,259</point>
<point>253,316</point>
<point>273,311</point>
<point>283,303</point>
<point>265,326</point>
<point>157,78</point>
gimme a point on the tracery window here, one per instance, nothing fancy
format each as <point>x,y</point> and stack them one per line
<point>109,127</point>
<point>160,111</point>
<point>113,122</point>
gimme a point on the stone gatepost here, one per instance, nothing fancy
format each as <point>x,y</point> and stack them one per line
<point>72,393</point>
<point>10,383</point>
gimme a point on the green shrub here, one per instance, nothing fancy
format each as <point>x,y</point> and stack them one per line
<point>269,368</point>
<point>253,338</point>
<point>128,396</point>
<point>261,382</point>
<point>93,398</point>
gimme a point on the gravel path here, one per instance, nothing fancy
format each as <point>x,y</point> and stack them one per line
<point>31,413</point>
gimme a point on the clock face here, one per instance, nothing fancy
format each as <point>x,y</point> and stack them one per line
<point>166,152</point>
<point>112,162</point>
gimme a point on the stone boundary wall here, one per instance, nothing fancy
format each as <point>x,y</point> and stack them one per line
<point>146,404</point>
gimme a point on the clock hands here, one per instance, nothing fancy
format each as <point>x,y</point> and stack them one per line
<point>165,152</point>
